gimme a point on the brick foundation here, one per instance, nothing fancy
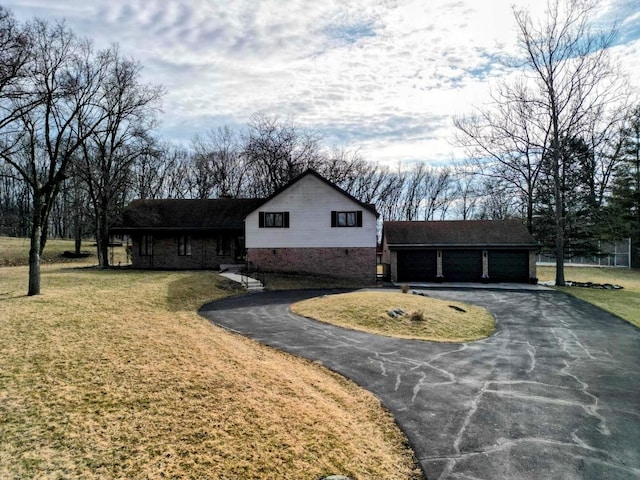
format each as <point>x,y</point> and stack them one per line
<point>354,263</point>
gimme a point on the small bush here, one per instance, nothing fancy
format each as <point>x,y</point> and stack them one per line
<point>404,288</point>
<point>417,316</point>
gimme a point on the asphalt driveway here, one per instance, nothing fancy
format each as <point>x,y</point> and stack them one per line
<point>553,394</point>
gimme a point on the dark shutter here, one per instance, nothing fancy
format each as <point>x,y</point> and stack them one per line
<point>261,220</point>
<point>285,218</point>
<point>359,218</point>
<point>334,216</point>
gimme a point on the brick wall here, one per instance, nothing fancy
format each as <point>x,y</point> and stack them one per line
<point>165,254</point>
<point>356,263</point>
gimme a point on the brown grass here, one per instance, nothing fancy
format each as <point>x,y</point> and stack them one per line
<point>624,303</point>
<point>112,374</point>
<point>15,252</point>
<point>426,319</point>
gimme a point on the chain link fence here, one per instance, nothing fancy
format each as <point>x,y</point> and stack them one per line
<point>612,254</point>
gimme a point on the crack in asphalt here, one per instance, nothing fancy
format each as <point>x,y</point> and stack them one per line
<point>553,393</point>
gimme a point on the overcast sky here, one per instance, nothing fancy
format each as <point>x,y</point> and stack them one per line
<point>382,76</point>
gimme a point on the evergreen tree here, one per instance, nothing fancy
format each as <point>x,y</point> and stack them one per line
<point>622,219</point>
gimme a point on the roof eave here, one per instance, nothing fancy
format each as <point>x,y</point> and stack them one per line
<point>463,245</point>
<point>172,229</point>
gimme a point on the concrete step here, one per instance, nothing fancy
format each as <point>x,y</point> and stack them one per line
<point>251,284</point>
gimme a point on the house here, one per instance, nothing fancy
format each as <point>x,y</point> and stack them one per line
<point>459,251</point>
<point>309,226</point>
<point>312,226</point>
<point>185,234</point>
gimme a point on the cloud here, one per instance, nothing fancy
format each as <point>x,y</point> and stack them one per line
<point>383,76</point>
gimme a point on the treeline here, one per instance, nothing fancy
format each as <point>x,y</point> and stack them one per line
<point>78,141</point>
<point>253,161</point>
<point>269,151</point>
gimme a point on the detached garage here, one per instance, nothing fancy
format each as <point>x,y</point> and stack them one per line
<point>459,251</point>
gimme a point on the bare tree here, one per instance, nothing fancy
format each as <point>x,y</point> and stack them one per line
<point>427,190</point>
<point>466,186</point>
<point>414,191</point>
<point>342,167</point>
<point>219,163</point>
<point>62,86</point>
<point>119,132</point>
<point>505,144</point>
<point>15,51</point>
<point>498,200</point>
<point>163,172</point>
<point>277,151</point>
<point>567,77</point>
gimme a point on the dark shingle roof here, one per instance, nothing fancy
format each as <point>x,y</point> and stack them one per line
<point>185,215</point>
<point>459,233</point>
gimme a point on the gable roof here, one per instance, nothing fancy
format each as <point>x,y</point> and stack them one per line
<point>460,233</point>
<point>367,206</point>
<point>184,215</point>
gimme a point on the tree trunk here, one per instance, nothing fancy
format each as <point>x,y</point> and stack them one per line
<point>530,210</point>
<point>102,238</point>
<point>78,241</point>
<point>77,233</point>
<point>34,249</point>
<point>558,217</point>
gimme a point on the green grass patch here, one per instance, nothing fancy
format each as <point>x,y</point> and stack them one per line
<point>425,318</point>
<point>625,303</point>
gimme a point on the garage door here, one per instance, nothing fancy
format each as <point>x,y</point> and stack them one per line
<point>509,266</point>
<point>417,265</point>
<point>462,265</point>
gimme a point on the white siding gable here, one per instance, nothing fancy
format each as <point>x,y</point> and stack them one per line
<point>310,202</point>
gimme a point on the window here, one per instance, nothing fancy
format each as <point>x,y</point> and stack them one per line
<point>184,245</point>
<point>223,246</point>
<point>146,245</point>
<point>346,219</point>
<point>274,220</point>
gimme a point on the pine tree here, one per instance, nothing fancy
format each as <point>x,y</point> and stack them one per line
<point>622,219</point>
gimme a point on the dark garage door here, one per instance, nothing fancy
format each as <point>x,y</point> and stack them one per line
<point>417,265</point>
<point>509,266</point>
<point>462,265</point>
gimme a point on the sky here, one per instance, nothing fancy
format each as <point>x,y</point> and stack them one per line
<point>384,77</point>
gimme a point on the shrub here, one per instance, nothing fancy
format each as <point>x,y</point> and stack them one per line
<point>404,288</point>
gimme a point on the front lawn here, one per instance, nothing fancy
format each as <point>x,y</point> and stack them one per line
<point>426,318</point>
<point>14,251</point>
<point>112,374</point>
<point>625,303</point>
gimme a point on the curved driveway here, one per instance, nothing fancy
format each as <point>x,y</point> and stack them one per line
<point>553,394</point>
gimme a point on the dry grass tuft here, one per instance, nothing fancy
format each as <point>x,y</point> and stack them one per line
<point>112,374</point>
<point>624,303</point>
<point>431,319</point>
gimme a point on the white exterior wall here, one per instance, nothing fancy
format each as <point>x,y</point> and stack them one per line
<point>309,202</point>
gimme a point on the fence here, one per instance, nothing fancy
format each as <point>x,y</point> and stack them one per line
<point>612,254</point>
